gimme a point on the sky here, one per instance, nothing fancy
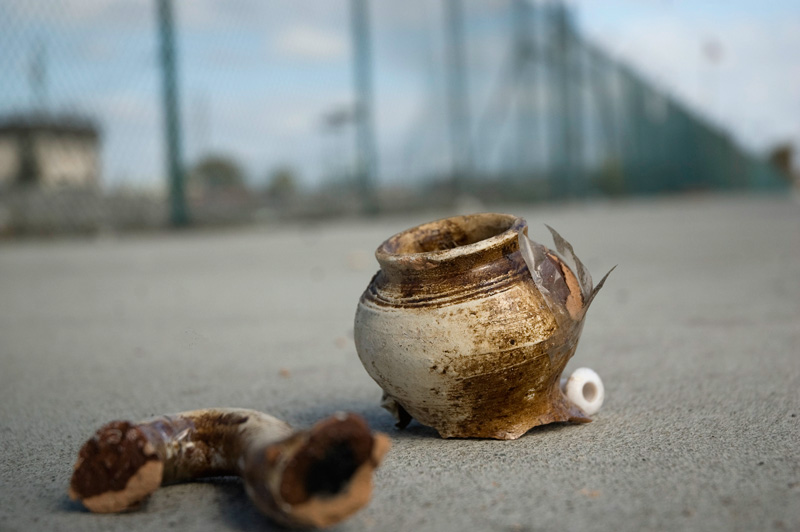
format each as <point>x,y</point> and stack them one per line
<point>257,79</point>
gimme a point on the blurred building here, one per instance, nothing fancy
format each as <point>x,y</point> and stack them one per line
<point>49,151</point>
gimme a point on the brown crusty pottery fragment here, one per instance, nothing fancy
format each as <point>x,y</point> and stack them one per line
<point>468,326</point>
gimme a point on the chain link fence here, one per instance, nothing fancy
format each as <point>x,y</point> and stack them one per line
<point>307,108</point>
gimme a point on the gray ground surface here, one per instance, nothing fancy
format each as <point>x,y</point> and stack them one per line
<point>696,336</point>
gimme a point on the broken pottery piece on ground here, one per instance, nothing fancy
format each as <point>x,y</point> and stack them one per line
<point>308,478</point>
<point>469,324</point>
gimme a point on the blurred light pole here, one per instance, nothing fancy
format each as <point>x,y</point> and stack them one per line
<point>365,132</point>
<point>37,76</point>
<point>713,54</point>
<point>179,215</point>
<point>567,67</point>
<point>457,97</point>
<point>336,123</point>
<point>525,85</point>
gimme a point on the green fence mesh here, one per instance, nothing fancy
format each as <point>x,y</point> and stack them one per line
<point>317,108</point>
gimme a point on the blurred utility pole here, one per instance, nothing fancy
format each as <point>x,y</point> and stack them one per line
<point>365,132</point>
<point>179,215</point>
<point>525,63</point>
<point>336,123</point>
<point>568,92</point>
<point>38,77</point>
<point>200,128</point>
<point>458,97</point>
<point>713,54</point>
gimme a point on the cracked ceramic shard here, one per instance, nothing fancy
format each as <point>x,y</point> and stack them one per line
<point>468,326</point>
<point>305,478</point>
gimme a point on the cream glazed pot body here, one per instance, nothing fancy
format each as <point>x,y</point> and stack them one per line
<point>459,336</point>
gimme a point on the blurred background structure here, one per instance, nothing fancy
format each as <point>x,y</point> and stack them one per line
<point>118,114</point>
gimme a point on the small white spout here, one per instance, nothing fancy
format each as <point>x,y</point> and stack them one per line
<point>584,388</point>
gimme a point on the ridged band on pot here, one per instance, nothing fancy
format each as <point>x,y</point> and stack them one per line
<point>460,333</point>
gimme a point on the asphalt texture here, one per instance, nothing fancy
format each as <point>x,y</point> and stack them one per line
<point>696,336</point>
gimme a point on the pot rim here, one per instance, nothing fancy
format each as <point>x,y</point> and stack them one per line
<point>388,257</point>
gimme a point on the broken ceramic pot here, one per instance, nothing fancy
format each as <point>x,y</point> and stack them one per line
<point>469,324</point>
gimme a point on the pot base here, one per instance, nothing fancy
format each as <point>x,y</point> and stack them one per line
<point>558,410</point>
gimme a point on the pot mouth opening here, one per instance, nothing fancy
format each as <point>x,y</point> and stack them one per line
<point>451,237</point>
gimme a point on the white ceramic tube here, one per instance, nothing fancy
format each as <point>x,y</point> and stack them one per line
<point>585,389</point>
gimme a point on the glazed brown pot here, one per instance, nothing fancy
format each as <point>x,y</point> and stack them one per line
<point>460,333</point>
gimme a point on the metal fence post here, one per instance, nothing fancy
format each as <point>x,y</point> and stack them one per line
<point>458,98</point>
<point>365,132</point>
<point>179,215</point>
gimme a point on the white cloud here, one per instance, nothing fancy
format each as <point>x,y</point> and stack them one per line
<point>311,43</point>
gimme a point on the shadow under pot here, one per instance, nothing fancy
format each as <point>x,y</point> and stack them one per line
<point>468,326</point>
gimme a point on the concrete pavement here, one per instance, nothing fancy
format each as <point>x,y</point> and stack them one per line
<point>696,336</point>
